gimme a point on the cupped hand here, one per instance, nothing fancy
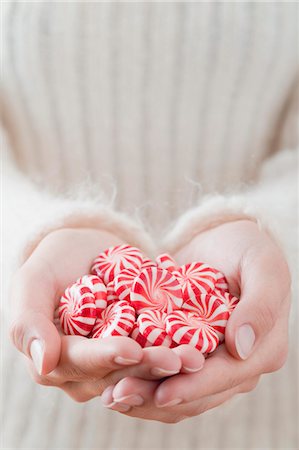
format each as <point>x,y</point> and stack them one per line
<point>256,337</point>
<point>82,367</point>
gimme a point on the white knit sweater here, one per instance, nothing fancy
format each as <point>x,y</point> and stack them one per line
<point>181,115</point>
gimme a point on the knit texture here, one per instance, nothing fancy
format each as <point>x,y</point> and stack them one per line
<point>146,108</point>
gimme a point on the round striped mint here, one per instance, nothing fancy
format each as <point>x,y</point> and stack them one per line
<point>123,283</point>
<point>221,282</point>
<point>111,294</point>
<point>148,263</point>
<point>156,289</point>
<point>195,278</point>
<point>77,310</point>
<point>165,261</point>
<point>115,259</point>
<point>137,336</point>
<point>152,326</point>
<point>116,320</point>
<point>98,288</point>
<point>212,308</point>
<point>190,328</point>
<point>228,299</point>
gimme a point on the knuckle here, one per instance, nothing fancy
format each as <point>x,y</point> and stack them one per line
<point>279,359</point>
<point>265,317</point>
<point>248,386</point>
<point>73,373</point>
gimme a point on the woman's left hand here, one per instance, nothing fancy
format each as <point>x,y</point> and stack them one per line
<point>256,336</point>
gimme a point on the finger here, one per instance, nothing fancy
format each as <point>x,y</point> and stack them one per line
<point>220,373</point>
<point>32,329</point>
<point>264,287</point>
<point>89,359</point>
<point>157,363</point>
<point>108,401</point>
<point>134,391</point>
<point>191,358</point>
<point>175,413</point>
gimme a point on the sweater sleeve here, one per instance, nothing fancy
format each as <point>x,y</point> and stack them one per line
<point>30,213</point>
<point>271,202</point>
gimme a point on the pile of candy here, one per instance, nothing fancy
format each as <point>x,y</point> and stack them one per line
<point>153,302</point>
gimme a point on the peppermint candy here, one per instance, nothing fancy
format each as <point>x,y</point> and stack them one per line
<point>228,299</point>
<point>123,283</point>
<point>148,263</point>
<point>221,282</point>
<point>152,326</point>
<point>212,309</point>
<point>116,320</point>
<point>156,289</point>
<point>115,259</point>
<point>138,337</point>
<point>77,310</point>
<point>111,294</point>
<point>190,328</point>
<point>98,288</point>
<point>195,278</point>
<point>165,261</point>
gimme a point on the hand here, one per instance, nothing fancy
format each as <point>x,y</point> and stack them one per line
<point>81,367</point>
<point>256,335</point>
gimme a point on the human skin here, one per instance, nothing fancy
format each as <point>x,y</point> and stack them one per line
<point>256,338</point>
<point>81,367</point>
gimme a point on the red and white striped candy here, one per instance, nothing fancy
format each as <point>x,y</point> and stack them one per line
<point>228,299</point>
<point>148,263</point>
<point>77,310</point>
<point>98,288</point>
<point>111,294</point>
<point>190,328</point>
<point>195,278</point>
<point>152,326</point>
<point>165,261</point>
<point>213,310</point>
<point>116,320</point>
<point>137,336</point>
<point>156,289</point>
<point>123,283</point>
<point>115,259</point>
<point>221,282</point>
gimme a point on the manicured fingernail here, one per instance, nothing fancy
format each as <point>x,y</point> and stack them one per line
<point>245,339</point>
<point>158,372</point>
<point>120,406</point>
<point>132,400</point>
<point>192,369</point>
<point>173,402</point>
<point>37,354</point>
<point>125,361</point>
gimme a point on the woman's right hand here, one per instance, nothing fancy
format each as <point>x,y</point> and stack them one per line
<point>81,367</point>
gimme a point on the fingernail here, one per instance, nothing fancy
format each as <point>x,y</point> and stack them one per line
<point>120,406</point>
<point>192,369</point>
<point>245,339</point>
<point>37,354</point>
<point>173,402</point>
<point>132,400</point>
<point>158,372</point>
<point>125,361</point>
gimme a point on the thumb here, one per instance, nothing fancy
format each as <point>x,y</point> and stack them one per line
<point>32,329</point>
<point>264,287</point>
